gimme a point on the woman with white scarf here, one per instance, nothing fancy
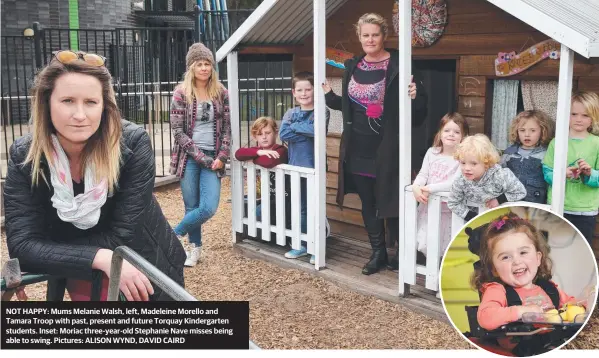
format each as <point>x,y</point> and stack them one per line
<point>80,185</point>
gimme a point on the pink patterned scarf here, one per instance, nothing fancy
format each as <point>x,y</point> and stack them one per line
<point>82,210</point>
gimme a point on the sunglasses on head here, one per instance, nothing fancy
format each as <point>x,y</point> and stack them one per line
<point>68,56</point>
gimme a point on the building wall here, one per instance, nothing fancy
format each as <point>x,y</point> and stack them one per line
<point>18,15</point>
<point>475,33</point>
<point>101,14</point>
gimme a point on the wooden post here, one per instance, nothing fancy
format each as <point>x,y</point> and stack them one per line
<point>236,171</point>
<point>562,124</point>
<point>405,128</point>
<point>319,132</point>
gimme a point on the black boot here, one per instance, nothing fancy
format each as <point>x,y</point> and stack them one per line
<point>394,262</point>
<point>378,259</point>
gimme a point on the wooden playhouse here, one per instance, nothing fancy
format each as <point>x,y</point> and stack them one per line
<point>489,60</point>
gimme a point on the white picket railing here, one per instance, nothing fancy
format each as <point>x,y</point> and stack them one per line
<point>250,172</point>
<point>409,268</point>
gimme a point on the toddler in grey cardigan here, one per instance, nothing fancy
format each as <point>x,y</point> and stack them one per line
<point>482,180</point>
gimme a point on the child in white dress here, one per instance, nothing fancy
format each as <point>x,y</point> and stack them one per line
<point>437,173</point>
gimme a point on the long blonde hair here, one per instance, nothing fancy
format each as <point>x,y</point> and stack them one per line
<point>590,101</point>
<point>102,149</point>
<point>214,87</point>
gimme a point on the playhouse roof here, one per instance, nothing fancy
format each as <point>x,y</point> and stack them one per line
<point>285,22</point>
<point>276,22</point>
<point>574,23</point>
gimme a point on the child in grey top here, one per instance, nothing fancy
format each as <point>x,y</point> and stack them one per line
<point>482,180</point>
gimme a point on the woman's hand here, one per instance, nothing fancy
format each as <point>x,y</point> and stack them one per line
<point>217,164</point>
<point>269,153</point>
<point>134,284</point>
<point>326,87</point>
<point>412,88</point>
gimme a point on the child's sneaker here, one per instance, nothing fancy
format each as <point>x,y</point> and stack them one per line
<point>193,256</point>
<point>294,254</point>
<point>312,260</point>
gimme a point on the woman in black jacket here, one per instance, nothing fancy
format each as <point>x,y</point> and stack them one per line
<point>369,150</point>
<point>81,184</point>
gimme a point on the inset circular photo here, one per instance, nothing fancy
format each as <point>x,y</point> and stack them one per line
<point>519,281</point>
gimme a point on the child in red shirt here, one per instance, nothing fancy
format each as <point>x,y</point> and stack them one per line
<point>267,154</point>
<point>513,253</point>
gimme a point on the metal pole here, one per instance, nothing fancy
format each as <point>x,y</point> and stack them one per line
<point>153,274</point>
<point>156,276</point>
<point>197,33</point>
<point>37,44</point>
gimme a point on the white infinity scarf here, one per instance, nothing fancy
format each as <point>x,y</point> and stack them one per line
<point>82,210</point>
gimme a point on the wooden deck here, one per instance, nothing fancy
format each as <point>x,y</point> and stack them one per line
<point>345,258</point>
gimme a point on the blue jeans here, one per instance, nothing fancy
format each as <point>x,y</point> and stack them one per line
<point>200,187</point>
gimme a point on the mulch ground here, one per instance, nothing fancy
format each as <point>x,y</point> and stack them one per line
<point>291,309</point>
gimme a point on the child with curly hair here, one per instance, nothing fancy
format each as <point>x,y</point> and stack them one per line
<point>530,132</point>
<point>482,181</point>
<point>514,275</point>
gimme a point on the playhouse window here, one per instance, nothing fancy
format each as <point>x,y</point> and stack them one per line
<point>511,97</point>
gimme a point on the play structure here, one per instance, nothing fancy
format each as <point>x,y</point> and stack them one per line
<point>462,64</point>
